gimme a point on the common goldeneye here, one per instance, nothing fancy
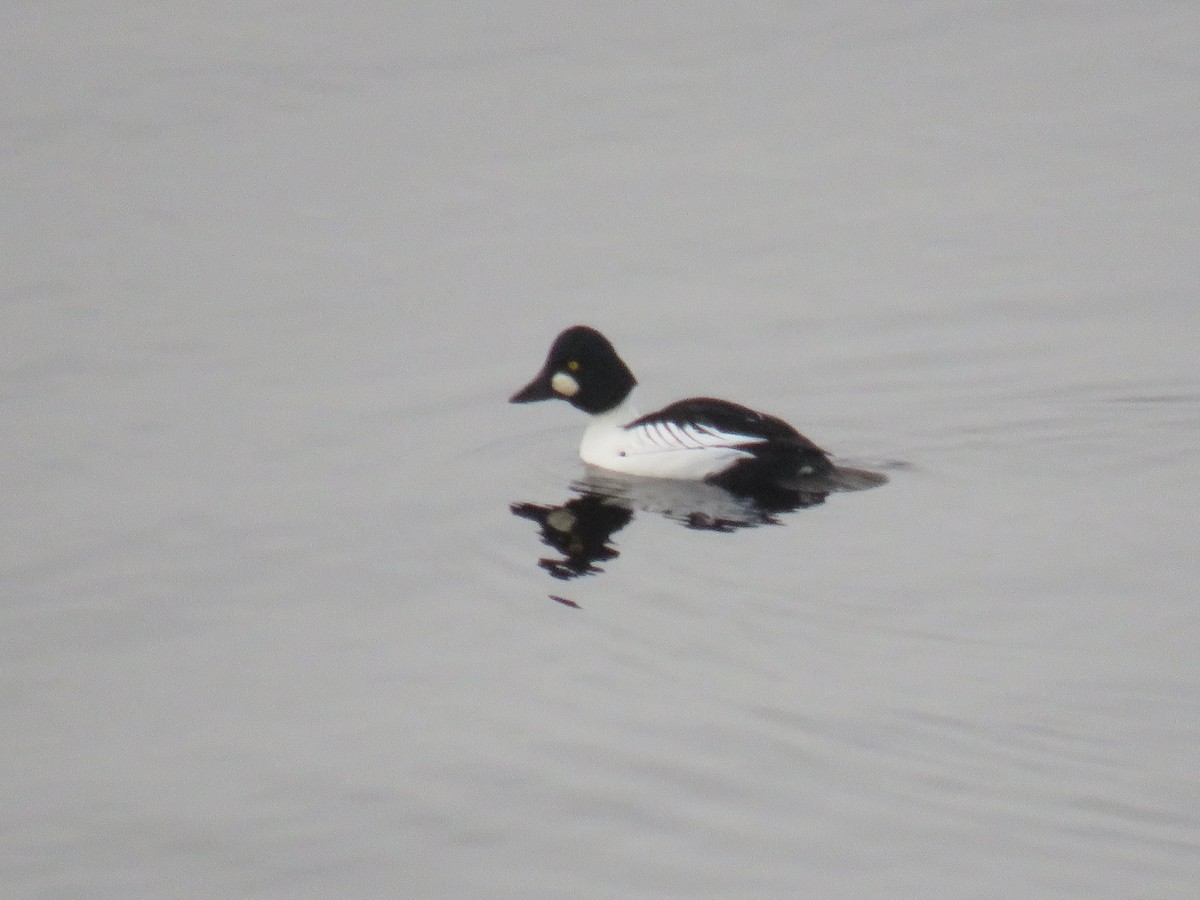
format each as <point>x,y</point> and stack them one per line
<point>700,439</point>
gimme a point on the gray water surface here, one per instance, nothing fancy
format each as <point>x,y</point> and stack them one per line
<point>268,627</point>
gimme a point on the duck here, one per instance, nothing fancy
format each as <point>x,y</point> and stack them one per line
<point>697,439</point>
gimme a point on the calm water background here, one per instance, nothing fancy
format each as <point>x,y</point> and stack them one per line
<point>267,626</point>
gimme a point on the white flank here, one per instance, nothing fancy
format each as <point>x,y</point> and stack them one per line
<point>659,449</point>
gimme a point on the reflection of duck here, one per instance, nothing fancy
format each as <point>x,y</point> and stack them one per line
<point>581,528</point>
<point>702,439</point>
<point>700,505</point>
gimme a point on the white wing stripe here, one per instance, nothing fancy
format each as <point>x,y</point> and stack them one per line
<point>679,437</point>
<point>653,436</point>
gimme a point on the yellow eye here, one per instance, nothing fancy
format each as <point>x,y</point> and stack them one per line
<point>573,365</point>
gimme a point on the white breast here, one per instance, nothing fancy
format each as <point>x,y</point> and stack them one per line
<point>660,449</point>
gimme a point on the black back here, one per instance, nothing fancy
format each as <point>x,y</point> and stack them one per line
<point>778,451</point>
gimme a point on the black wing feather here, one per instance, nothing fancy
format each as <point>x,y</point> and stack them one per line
<point>779,451</point>
<point>730,418</point>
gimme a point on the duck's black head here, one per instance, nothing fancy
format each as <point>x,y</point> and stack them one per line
<point>583,369</point>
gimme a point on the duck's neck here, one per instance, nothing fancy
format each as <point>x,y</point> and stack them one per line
<point>623,412</point>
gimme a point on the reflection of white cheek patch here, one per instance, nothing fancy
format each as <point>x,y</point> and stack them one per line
<point>564,384</point>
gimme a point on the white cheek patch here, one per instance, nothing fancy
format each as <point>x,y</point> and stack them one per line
<point>564,384</point>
